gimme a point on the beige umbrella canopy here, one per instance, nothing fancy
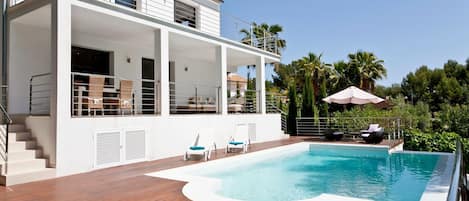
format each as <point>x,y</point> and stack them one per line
<point>353,95</point>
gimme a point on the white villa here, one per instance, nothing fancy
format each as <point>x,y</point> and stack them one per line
<point>90,84</point>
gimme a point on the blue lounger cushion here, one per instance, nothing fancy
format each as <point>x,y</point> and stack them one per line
<point>196,148</point>
<point>236,143</point>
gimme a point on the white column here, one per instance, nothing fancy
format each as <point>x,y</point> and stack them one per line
<point>260,84</point>
<point>61,73</point>
<point>162,64</point>
<point>222,62</point>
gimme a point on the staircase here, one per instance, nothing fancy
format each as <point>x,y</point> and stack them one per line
<point>25,162</point>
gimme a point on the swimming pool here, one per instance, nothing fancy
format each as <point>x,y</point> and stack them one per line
<point>307,171</point>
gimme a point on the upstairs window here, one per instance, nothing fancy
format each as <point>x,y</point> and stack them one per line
<point>127,3</point>
<point>185,14</point>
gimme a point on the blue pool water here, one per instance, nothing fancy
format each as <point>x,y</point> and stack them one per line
<point>346,171</point>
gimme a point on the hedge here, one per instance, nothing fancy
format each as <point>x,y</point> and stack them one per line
<point>416,140</point>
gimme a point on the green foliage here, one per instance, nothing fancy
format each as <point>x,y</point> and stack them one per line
<point>308,99</point>
<point>292,110</point>
<point>369,67</point>
<point>324,107</point>
<point>435,142</point>
<point>438,86</point>
<point>416,140</point>
<point>455,119</point>
<point>412,116</point>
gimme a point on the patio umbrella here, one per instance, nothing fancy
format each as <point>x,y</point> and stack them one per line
<point>353,95</point>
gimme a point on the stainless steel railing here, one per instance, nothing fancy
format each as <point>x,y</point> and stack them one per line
<point>274,104</point>
<point>39,94</point>
<point>394,127</point>
<point>145,96</point>
<point>5,122</point>
<point>247,102</point>
<point>458,186</point>
<point>189,98</point>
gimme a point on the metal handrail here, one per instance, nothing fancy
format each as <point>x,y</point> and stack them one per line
<point>5,151</point>
<point>458,185</point>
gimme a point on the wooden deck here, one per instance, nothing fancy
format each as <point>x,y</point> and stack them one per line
<point>119,183</point>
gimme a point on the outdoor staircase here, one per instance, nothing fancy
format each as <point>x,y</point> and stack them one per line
<point>25,162</point>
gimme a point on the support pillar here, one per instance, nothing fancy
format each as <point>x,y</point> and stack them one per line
<point>260,85</point>
<point>162,64</point>
<point>223,94</point>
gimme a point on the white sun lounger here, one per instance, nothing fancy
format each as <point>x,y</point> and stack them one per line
<point>203,145</point>
<point>240,140</point>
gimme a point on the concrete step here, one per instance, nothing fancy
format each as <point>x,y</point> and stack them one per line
<point>16,128</point>
<point>17,167</point>
<point>24,155</point>
<point>21,146</point>
<point>19,136</point>
<point>25,177</point>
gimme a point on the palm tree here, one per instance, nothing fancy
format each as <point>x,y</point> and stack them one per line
<point>313,66</point>
<point>369,67</point>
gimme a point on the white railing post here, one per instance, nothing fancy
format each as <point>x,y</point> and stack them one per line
<point>265,41</point>
<point>252,34</point>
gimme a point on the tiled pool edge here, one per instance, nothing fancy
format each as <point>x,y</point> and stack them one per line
<point>204,188</point>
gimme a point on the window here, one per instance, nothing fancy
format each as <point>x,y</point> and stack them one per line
<point>91,61</point>
<point>185,14</point>
<point>127,3</point>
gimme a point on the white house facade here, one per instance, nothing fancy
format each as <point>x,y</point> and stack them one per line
<point>90,84</point>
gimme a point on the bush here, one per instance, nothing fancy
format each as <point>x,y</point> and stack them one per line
<point>455,119</point>
<point>435,142</point>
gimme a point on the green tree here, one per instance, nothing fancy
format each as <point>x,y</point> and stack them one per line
<point>370,68</point>
<point>292,110</point>
<point>324,107</point>
<point>308,99</point>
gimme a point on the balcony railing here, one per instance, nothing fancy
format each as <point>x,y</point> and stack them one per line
<point>103,95</point>
<point>230,27</point>
<point>188,98</point>
<point>244,102</point>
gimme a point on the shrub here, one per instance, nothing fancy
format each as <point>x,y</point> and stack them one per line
<point>416,140</point>
<point>455,119</point>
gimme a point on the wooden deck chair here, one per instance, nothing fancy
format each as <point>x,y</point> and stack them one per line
<point>95,94</point>
<point>125,96</point>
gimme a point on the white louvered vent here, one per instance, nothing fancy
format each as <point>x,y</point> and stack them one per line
<point>108,149</point>
<point>252,132</point>
<point>134,145</point>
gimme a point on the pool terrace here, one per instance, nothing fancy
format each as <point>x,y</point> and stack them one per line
<point>126,182</point>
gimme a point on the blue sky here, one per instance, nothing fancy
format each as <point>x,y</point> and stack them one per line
<point>404,33</point>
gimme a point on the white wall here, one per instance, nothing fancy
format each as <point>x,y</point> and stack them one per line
<point>209,20</point>
<point>29,55</point>
<point>166,136</point>
<point>163,9</point>
<point>41,130</point>
<point>202,74</point>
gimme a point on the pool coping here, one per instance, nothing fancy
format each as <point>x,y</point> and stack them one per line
<point>205,188</point>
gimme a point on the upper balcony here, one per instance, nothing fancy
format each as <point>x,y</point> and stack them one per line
<point>202,16</point>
